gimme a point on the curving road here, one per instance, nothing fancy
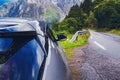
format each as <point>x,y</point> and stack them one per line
<point>106,44</point>
<point>102,57</point>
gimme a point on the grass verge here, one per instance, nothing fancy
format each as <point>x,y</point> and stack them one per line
<point>113,31</point>
<point>69,46</point>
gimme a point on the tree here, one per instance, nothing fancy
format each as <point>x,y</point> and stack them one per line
<point>74,12</point>
<point>77,13</point>
<point>91,21</point>
<point>107,14</point>
<point>96,2</point>
<point>70,25</point>
<point>87,6</point>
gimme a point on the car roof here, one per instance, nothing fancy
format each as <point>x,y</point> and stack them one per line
<point>19,25</point>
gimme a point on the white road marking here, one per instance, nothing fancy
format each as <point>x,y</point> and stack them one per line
<point>100,45</point>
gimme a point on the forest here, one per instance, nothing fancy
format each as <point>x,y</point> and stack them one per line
<point>90,14</point>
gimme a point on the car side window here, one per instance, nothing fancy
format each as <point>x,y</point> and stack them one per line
<point>28,58</point>
<point>35,49</point>
<point>32,54</point>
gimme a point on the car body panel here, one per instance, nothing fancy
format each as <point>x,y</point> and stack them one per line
<point>55,67</point>
<point>27,62</point>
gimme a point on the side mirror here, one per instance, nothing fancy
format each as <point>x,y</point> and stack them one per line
<point>61,37</point>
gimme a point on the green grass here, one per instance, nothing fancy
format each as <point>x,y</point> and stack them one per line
<point>82,39</point>
<point>114,31</point>
<point>69,46</point>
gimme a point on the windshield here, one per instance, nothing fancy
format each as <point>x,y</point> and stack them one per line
<point>5,43</point>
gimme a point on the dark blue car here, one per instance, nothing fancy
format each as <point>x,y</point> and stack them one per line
<point>29,51</point>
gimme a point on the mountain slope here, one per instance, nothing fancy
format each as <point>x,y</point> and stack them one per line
<point>48,10</point>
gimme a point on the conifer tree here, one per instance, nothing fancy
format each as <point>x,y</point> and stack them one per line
<point>87,6</point>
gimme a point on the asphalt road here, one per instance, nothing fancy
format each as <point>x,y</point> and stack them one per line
<point>106,44</point>
<point>102,57</point>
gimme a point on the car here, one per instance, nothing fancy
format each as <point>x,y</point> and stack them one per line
<point>29,51</point>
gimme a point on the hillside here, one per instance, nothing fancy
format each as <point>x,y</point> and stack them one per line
<point>48,10</point>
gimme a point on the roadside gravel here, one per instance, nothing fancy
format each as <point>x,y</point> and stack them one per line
<point>75,63</point>
<point>88,64</point>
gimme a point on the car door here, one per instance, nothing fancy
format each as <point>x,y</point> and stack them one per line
<point>56,67</point>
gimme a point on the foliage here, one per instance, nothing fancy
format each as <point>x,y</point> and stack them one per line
<point>74,21</point>
<point>91,14</point>
<point>115,31</point>
<point>86,6</point>
<point>91,21</point>
<point>78,18</point>
<point>82,39</point>
<point>77,13</point>
<point>107,14</point>
<point>69,24</point>
<point>96,2</point>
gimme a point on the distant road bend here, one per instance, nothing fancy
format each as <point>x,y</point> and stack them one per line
<point>102,57</point>
<point>106,44</point>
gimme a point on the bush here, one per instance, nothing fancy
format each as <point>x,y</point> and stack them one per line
<point>70,25</point>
